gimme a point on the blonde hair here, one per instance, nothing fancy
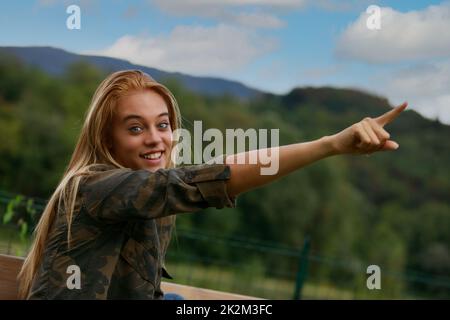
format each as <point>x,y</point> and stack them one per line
<point>90,149</point>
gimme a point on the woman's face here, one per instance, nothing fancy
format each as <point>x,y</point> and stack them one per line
<point>141,136</point>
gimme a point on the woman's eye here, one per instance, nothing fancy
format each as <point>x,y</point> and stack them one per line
<point>164,125</point>
<point>135,129</point>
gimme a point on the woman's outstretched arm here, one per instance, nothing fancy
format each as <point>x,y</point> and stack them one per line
<point>364,137</point>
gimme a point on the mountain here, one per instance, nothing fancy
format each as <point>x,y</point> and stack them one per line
<point>54,61</point>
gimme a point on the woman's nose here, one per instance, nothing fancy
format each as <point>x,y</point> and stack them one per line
<point>152,136</point>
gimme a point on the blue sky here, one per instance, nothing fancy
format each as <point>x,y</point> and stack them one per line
<point>273,45</point>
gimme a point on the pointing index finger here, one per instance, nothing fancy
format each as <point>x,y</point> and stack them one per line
<point>391,115</point>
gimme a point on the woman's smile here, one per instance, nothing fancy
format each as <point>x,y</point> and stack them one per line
<point>153,158</point>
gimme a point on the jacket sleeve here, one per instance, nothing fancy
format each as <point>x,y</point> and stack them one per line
<point>123,194</point>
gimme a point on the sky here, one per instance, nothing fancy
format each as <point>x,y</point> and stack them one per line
<point>397,49</point>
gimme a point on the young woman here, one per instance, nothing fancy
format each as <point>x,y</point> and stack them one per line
<point>106,228</point>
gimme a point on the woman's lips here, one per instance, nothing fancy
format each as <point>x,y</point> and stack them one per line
<point>153,161</point>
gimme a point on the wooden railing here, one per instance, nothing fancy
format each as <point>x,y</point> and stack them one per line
<point>10,266</point>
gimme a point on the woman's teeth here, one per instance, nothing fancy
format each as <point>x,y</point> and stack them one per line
<point>153,155</point>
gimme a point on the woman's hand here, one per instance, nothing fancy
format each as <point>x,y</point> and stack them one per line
<point>367,136</point>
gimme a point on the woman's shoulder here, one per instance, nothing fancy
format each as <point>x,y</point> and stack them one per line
<point>101,167</point>
<point>99,172</point>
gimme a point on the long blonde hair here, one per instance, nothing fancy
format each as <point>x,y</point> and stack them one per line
<point>90,149</point>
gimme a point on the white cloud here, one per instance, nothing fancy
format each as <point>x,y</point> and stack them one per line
<point>403,36</point>
<point>206,7</point>
<point>425,87</point>
<point>248,13</point>
<point>193,49</point>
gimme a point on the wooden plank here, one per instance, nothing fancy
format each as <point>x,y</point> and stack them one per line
<point>193,293</point>
<point>10,267</point>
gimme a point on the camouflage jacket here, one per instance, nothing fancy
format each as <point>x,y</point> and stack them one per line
<point>121,229</point>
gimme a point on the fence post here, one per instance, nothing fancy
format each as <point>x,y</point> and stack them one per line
<point>302,268</point>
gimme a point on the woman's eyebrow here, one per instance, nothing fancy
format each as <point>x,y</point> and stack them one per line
<point>135,116</point>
